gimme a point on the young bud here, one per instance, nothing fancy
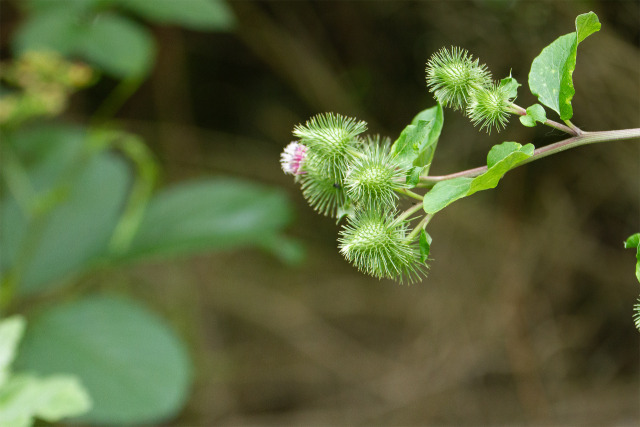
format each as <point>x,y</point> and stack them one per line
<point>489,107</point>
<point>332,139</point>
<point>377,245</point>
<point>374,176</point>
<point>452,76</point>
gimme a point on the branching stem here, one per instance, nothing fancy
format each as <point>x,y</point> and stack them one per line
<point>583,139</point>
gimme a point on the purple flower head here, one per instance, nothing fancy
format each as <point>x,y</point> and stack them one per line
<point>292,158</point>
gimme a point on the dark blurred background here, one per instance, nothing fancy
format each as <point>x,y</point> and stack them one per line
<point>525,317</point>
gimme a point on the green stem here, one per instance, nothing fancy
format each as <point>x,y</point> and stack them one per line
<point>117,98</point>
<point>409,193</point>
<point>406,214</point>
<point>583,139</point>
<point>421,226</point>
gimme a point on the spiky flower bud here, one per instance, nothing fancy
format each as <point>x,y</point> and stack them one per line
<point>490,107</point>
<point>453,75</point>
<point>374,176</point>
<point>333,140</point>
<point>377,244</point>
<point>324,191</point>
<point>292,158</point>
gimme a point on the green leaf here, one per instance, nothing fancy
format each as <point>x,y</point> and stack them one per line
<point>214,214</point>
<point>413,176</point>
<point>134,367</point>
<point>79,197</point>
<point>446,192</point>
<point>551,75</point>
<point>118,46</point>
<point>500,160</point>
<point>633,242</point>
<point>587,24</point>
<point>191,14</point>
<point>425,246</point>
<point>511,85</point>
<point>26,396</point>
<point>535,113</point>
<point>417,143</point>
<point>11,330</point>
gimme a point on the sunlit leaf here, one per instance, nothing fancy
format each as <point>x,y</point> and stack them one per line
<point>551,75</point>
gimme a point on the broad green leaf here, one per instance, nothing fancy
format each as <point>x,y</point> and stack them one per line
<point>212,214</point>
<point>80,194</point>
<point>134,367</point>
<point>446,192</point>
<point>118,46</point>
<point>633,242</point>
<point>25,397</point>
<point>11,330</point>
<point>425,246</point>
<point>500,160</point>
<point>417,143</point>
<point>551,75</point>
<point>535,113</point>
<point>192,14</point>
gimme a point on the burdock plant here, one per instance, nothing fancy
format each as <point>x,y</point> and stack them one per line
<point>345,174</point>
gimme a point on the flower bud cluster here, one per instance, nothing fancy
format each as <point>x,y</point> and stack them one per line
<point>459,82</point>
<point>342,173</point>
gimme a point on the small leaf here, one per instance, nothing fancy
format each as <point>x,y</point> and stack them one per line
<point>511,85</point>
<point>425,246</point>
<point>413,177</point>
<point>587,24</point>
<point>417,143</point>
<point>207,215</point>
<point>134,367</point>
<point>501,152</point>
<point>446,192</point>
<point>633,242</point>
<point>551,75</point>
<point>535,113</point>
<point>527,121</point>
<point>191,14</point>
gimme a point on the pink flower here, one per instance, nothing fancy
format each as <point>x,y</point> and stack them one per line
<point>292,157</point>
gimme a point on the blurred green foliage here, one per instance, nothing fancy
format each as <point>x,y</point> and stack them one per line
<point>78,198</point>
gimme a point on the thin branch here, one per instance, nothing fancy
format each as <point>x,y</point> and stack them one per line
<point>583,139</point>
